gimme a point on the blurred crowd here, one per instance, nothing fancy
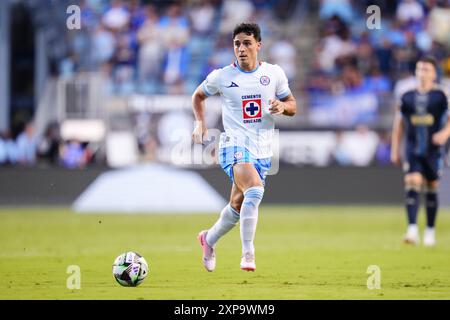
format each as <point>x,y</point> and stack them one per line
<point>29,149</point>
<point>357,68</point>
<point>345,75</point>
<point>164,46</point>
<point>170,46</point>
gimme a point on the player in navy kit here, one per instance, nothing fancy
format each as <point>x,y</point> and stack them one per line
<point>424,121</point>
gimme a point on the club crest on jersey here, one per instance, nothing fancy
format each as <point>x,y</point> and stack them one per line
<point>265,80</point>
<point>251,110</point>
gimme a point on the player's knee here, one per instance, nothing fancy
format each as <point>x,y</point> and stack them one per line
<point>432,187</point>
<point>413,181</point>
<point>412,192</point>
<point>431,194</point>
<point>413,187</point>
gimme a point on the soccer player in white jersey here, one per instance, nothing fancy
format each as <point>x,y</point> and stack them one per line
<point>253,93</point>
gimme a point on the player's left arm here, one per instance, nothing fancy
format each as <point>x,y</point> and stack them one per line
<point>441,137</point>
<point>286,106</point>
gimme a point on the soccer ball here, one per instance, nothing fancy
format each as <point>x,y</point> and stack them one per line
<point>130,269</point>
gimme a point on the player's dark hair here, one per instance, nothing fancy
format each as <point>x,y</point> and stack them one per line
<point>248,29</point>
<point>430,59</point>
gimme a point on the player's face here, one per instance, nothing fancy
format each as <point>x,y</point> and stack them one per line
<point>425,72</point>
<point>246,49</point>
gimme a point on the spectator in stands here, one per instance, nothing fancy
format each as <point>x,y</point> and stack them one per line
<point>175,67</point>
<point>403,58</point>
<point>27,146</point>
<point>439,23</point>
<point>137,14</point>
<point>376,82</point>
<point>3,154</point>
<point>364,53</point>
<point>3,150</point>
<point>352,79</point>
<point>103,46</point>
<point>12,153</point>
<point>201,17</point>
<point>175,24</point>
<point>284,53</point>
<point>438,50</point>
<point>340,154</point>
<point>50,144</point>
<point>234,12</point>
<point>67,66</point>
<point>8,149</point>
<point>283,9</point>
<point>151,51</point>
<point>117,17</point>
<point>319,82</point>
<point>125,61</point>
<point>74,155</point>
<point>340,8</point>
<point>409,11</point>
<point>220,56</point>
<point>175,36</point>
<point>359,146</point>
<point>89,17</point>
<point>396,35</point>
<point>80,50</point>
<point>336,43</point>
<point>383,152</point>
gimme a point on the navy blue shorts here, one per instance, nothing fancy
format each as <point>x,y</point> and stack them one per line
<point>430,166</point>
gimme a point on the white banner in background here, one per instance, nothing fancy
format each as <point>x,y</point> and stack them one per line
<point>322,148</point>
<point>150,188</point>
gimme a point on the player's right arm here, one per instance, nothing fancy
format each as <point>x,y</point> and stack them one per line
<point>209,87</point>
<point>198,106</point>
<point>397,134</point>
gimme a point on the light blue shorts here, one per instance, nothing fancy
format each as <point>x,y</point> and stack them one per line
<point>229,156</point>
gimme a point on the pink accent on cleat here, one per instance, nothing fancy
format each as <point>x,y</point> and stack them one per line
<point>248,262</point>
<point>209,256</point>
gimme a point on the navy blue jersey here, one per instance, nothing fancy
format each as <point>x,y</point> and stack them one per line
<point>424,114</point>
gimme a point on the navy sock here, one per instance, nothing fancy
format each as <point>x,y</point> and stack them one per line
<point>432,208</point>
<point>412,205</point>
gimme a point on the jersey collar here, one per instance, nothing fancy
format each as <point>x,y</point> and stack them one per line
<point>236,64</point>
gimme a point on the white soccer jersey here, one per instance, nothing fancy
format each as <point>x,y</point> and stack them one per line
<point>245,104</point>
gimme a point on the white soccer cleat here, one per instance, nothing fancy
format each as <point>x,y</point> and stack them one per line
<point>248,262</point>
<point>412,235</point>
<point>429,238</point>
<point>209,256</point>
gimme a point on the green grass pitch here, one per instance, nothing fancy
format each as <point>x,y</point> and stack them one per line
<point>302,252</point>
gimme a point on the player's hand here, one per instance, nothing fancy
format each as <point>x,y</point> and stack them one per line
<point>395,158</point>
<point>276,106</point>
<point>439,138</point>
<point>200,133</point>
